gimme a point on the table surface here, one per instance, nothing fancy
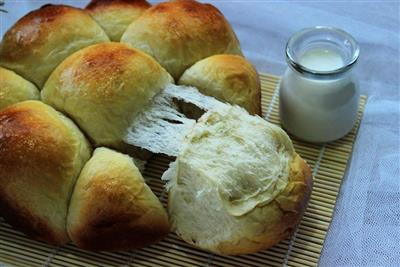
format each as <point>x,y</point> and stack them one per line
<point>365,230</point>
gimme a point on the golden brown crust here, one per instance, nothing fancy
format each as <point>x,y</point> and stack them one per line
<point>179,33</point>
<point>114,16</point>
<point>112,79</point>
<point>229,78</point>
<point>104,4</point>
<point>25,37</point>
<point>40,40</point>
<point>112,208</point>
<point>14,89</point>
<point>41,154</point>
<point>258,107</point>
<point>28,222</point>
<point>96,67</point>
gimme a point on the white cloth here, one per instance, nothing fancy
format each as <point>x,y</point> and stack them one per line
<point>365,230</point>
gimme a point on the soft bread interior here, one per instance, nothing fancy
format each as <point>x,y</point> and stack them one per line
<point>244,157</point>
<point>161,127</point>
<point>230,165</point>
<point>196,211</point>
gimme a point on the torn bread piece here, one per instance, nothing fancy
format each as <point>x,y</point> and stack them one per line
<point>237,185</point>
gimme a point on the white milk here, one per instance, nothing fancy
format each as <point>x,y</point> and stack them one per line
<point>321,60</point>
<point>318,109</point>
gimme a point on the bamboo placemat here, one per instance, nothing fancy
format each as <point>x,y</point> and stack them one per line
<point>303,248</point>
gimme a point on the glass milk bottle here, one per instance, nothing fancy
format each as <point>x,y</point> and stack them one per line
<point>318,93</point>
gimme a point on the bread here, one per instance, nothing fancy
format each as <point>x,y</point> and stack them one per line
<point>179,33</point>
<point>14,89</point>
<point>112,208</point>
<point>229,78</point>
<point>41,155</point>
<point>40,40</point>
<point>103,87</point>
<point>114,16</point>
<point>237,185</point>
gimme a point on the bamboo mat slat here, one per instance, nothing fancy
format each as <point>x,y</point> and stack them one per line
<point>303,248</point>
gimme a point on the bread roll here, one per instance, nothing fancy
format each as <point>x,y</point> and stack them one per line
<point>40,40</point>
<point>114,16</point>
<point>112,208</point>
<point>103,87</point>
<point>179,33</point>
<point>41,155</point>
<point>14,89</point>
<point>229,78</point>
<point>237,185</point>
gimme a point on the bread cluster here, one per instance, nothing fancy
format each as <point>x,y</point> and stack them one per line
<point>72,83</point>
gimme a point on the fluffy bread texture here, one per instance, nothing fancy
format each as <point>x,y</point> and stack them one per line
<point>112,208</point>
<point>114,16</point>
<point>161,127</point>
<point>103,87</point>
<point>14,89</point>
<point>40,40</point>
<point>237,185</point>
<point>179,33</point>
<point>41,154</point>
<point>228,78</point>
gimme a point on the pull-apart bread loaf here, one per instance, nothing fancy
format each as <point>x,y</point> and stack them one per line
<point>179,33</point>
<point>114,16</point>
<point>40,40</point>
<point>41,154</point>
<point>14,89</point>
<point>237,185</point>
<point>103,87</point>
<point>112,208</point>
<point>228,78</point>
